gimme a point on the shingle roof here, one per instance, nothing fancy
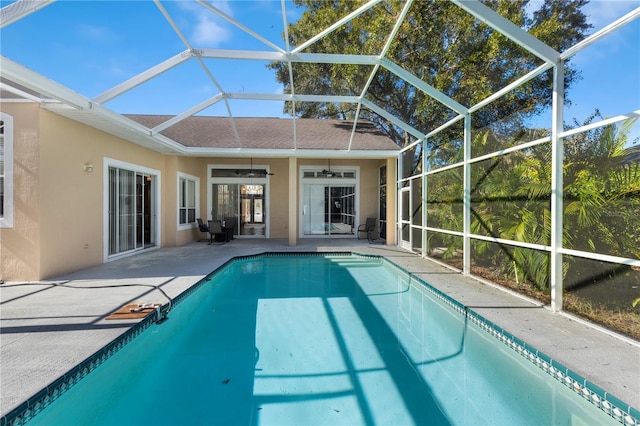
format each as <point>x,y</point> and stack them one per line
<point>270,133</point>
<point>633,155</point>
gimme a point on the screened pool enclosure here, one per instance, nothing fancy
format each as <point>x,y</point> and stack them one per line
<point>504,173</point>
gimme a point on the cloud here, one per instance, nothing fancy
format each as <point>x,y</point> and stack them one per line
<point>603,12</point>
<point>203,89</point>
<point>208,32</point>
<point>209,29</point>
<point>95,33</point>
<point>117,69</point>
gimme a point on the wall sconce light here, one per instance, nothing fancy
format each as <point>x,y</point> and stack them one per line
<point>88,168</point>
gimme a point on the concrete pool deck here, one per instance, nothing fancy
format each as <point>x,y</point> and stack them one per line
<point>50,326</point>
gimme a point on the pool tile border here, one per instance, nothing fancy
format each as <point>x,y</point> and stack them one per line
<point>614,407</point>
<point>34,405</point>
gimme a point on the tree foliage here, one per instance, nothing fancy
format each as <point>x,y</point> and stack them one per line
<point>439,43</point>
<point>511,200</point>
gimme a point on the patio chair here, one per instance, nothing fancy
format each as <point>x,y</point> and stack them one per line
<point>367,227</point>
<point>229,227</point>
<point>203,228</point>
<point>375,238</point>
<point>216,233</point>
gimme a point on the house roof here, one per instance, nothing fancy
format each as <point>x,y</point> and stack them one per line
<point>633,155</point>
<point>270,133</point>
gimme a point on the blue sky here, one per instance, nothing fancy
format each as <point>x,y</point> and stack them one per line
<point>91,46</point>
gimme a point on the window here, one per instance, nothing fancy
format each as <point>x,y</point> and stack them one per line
<point>6,171</point>
<point>382,200</point>
<point>188,188</point>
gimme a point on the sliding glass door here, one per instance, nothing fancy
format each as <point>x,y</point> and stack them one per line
<point>241,205</point>
<point>328,209</point>
<point>131,210</point>
<point>328,203</point>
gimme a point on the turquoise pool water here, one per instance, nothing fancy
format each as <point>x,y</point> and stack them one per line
<point>293,340</point>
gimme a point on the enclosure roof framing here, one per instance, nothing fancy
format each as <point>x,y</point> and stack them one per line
<point>98,112</point>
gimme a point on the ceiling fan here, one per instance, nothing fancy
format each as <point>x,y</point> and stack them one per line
<point>253,173</point>
<point>327,172</point>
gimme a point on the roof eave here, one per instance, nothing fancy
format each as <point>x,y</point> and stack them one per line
<point>298,153</point>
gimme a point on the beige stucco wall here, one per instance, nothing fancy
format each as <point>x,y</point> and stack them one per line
<point>59,206</point>
<point>72,205</point>
<point>279,197</point>
<point>20,244</point>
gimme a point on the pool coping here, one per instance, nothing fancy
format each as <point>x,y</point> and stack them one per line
<point>616,408</point>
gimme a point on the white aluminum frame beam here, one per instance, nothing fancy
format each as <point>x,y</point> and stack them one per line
<point>424,87</point>
<point>617,24</point>
<point>445,125</point>
<point>509,30</point>
<point>188,113</point>
<point>284,153</point>
<point>406,127</point>
<point>605,122</point>
<point>206,70</point>
<point>557,214</point>
<point>466,198</point>
<point>519,82</point>
<point>19,9</point>
<point>336,25</point>
<point>383,53</point>
<point>285,25</point>
<point>294,98</point>
<point>144,76</point>
<point>38,83</point>
<point>258,55</point>
<point>251,96</point>
<point>244,28</point>
<point>20,93</point>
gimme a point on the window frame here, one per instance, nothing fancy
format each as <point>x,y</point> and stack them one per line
<point>184,177</point>
<point>6,220</point>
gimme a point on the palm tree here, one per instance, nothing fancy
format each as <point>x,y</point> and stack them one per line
<point>511,200</point>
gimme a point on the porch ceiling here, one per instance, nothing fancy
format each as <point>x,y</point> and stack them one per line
<point>97,110</point>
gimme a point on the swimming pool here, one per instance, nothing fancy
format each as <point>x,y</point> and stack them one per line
<point>319,339</point>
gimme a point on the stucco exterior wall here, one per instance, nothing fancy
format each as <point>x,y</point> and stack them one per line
<point>59,211</point>
<point>20,244</point>
<point>279,197</point>
<point>72,210</point>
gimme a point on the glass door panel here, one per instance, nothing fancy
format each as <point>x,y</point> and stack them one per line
<point>240,203</point>
<point>252,210</point>
<point>405,217</point>
<point>328,209</point>
<point>313,209</point>
<point>131,211</point>
<point>113,210</point>
<point>140,210</point>
<point>126,211</point>
<point>144,211</point>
